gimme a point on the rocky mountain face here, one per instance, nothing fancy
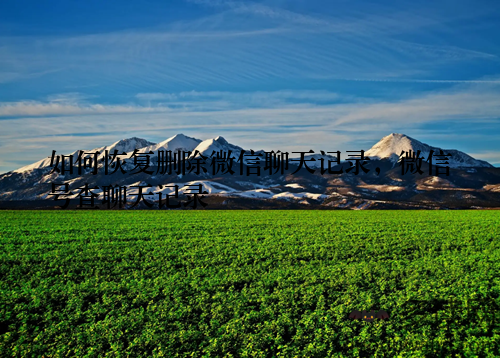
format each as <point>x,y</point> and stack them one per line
<point>389,182</point>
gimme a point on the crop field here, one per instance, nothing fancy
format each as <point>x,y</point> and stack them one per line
<point>249,283</point>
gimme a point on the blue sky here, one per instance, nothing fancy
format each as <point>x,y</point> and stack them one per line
<point>289,75</point>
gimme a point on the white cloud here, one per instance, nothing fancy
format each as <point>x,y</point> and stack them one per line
<point>478,101</point>
<point>58,108</point>
<point>489,156</point>
<point>259,98</point>
<point>472,102</point>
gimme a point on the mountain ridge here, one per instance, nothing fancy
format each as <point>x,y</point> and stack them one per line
<point>473,183</point>
<point>391,146</point>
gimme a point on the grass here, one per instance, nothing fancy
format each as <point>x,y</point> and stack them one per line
<point>249,283</point>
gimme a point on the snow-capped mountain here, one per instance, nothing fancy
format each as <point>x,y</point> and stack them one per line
<point>124,145</point>
<point>391,146</point>
<point>177,142</point>
<point>207,147</point>
<point>472,183</point>
<point>217,144</point>
<point>128,145</point>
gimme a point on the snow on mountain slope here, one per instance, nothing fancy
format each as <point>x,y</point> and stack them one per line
<point>391,146</point>
<point>124,145</point>
<point>294,186</point>
<point>183,188</point>
<point>217,144</point>
<point>255,194</point>
<point>297,196</point>
<point>207,147</point>
<point>215,188</point>
<point>177,142</point>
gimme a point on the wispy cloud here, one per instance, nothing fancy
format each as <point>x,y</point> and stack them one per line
<point>73,104</point>
<point>473,102</point>
<point>465,101</point>
<point>56,108</point>
<point>242,99</point>
<point>264,10</point>
<point>490,156</point>
<point>248,43</point>
<point>6,77</point>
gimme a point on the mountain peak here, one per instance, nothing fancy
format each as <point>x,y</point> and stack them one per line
<point>133,140</point>
<point>396,137</point>
<point>216,144</point>
<point>391,146</point>
<point>129,144</point>
<point>179,136</point>
<point>221,140</point>
<point>137,139</point>
<point>176,142</point>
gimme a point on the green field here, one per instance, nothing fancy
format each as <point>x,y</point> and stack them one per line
<point>249,283</point>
